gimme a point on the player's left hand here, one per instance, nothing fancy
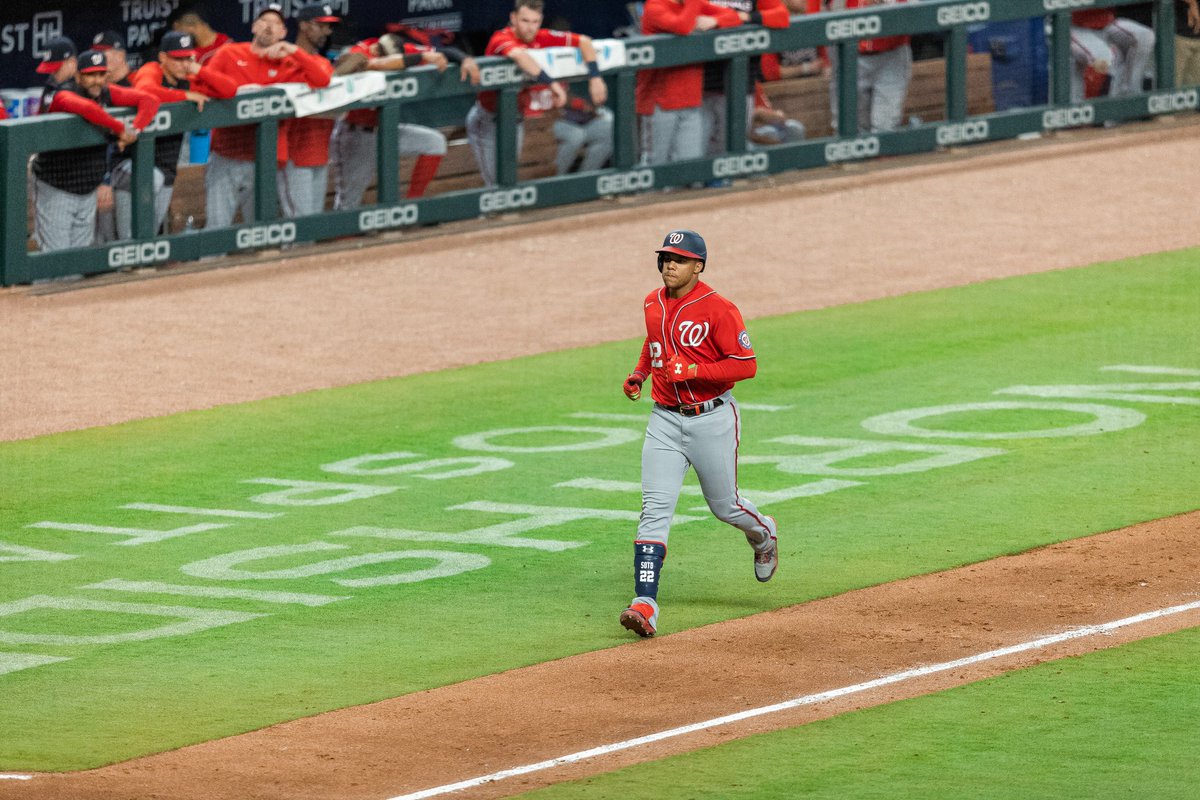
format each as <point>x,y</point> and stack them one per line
<point>469,71</point>
<point>679,370</point>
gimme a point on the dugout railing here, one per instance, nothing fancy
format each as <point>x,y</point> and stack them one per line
<point>427,97</point>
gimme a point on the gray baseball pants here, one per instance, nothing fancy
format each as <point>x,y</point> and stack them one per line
<point>883,80</point>
<point>122,183</point>
<point>481,134</point>
<point>228,186</point>
<point>672,135</point>
<point>709,444</point>
<point>354,150</point>
<point>596,136</point>
<point>62,220</point>
<point>302,189</point>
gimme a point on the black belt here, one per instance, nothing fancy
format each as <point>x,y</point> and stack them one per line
<point>693,410</point>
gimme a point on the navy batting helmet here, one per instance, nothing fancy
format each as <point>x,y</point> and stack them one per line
<point>688,244</point>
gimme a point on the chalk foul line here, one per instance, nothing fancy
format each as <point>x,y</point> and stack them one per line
<point>887,680</point>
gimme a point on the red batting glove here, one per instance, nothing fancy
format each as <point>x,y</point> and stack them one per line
<point>633,385</point>
<point>679,370</point>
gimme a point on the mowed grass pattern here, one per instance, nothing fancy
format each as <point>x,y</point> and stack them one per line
<point>824,372</point>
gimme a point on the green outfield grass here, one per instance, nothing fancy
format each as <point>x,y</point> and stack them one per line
<point>334,641</point>
<point>1115,723</point>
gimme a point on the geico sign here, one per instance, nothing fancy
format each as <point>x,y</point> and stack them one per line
<point>1172,101</point>
<point>161,121</point>
<point>640,56</point>
<point>391,217</point>
<point>855,148</point>
<point>264,235</point>
<point>131,255</point>
<point>634,181</point>
<point>404,87</point>
<point>1058,5</point>
<point>258,107</point>
<point>971,12</point>
<point>741,42</point>
<point>499,73</point>
<point>746,164</point>
<point>851,28</point>
<point>1068,117</point>
<point>505,199</point>
<point>962,132</point>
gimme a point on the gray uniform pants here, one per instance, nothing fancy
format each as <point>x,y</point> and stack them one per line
<point>883,80</point>
<point>572,138</point>
<point>302,189</point>
<point>62,219</point>
<point>713,133</point>
<point>481,134</point>
<point>354,150</point>
<point>1124,45</point>
<point>228,186</point>
<point>122,179</point>
<point>708,443</point>
<point>672,135</point>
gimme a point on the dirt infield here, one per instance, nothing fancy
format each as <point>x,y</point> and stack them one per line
<point>196,340</point>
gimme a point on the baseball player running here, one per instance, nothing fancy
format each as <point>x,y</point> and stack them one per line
<point>696,348</point>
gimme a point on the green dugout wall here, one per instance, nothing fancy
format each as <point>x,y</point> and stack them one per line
<point>427,97</point>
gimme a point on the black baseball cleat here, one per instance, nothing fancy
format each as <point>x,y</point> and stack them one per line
<point>637,619</point>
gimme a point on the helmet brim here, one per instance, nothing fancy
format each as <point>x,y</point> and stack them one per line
<point>679,251</point>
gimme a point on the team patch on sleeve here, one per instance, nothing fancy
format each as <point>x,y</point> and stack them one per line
<point>744,340</point>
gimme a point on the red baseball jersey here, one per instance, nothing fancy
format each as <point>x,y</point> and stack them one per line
<point>703,328</point>
<point>369,117</point>
<point>204,54</point>
<point>1097,19</point>
<point>533,100</point>
<point>240,62</point>
<point>673,88</point>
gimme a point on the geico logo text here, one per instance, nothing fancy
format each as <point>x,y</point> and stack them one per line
<point>264,235</point>
<point>1173,101</point>
<point>960,132</point>
<point>131,255</point>
<point>1058,5</point>
<point>161,121</point>
<point>854,148</point>
<point>258,107</point>
<point>850,28</point>
<point>641,56</point>
<point>391,217</point>
<point>741,42</point>
<point>507,198</point>
<point>404,87</point>
<point>499,73</point>
<point>634,181</point>
<point>1068,117</point>
<point>970,12</point>
<point>745,164</point>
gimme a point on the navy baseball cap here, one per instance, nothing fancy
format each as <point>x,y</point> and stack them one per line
<point>108,40</point>
<point>688,244</point>
<point>93,61</point>
<point>318,12</point>
<point>57,50</point>
<point>272,8</point>
<point>178,44</point>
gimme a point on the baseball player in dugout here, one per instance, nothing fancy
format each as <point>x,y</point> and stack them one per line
<point>66,180</point>
<point>266,59</point>
<point>303,177</point>
<point>696,348</point>
<point>669,100</point>
<point>175,77</point>
<point>354,137</point>
<point>884,72</point>
<point>525,33</point>
<point>768,13</point>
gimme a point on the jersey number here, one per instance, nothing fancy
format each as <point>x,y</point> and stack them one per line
<point>656,359</point>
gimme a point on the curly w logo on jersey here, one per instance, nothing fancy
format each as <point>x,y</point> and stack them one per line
<point>691,334</point>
